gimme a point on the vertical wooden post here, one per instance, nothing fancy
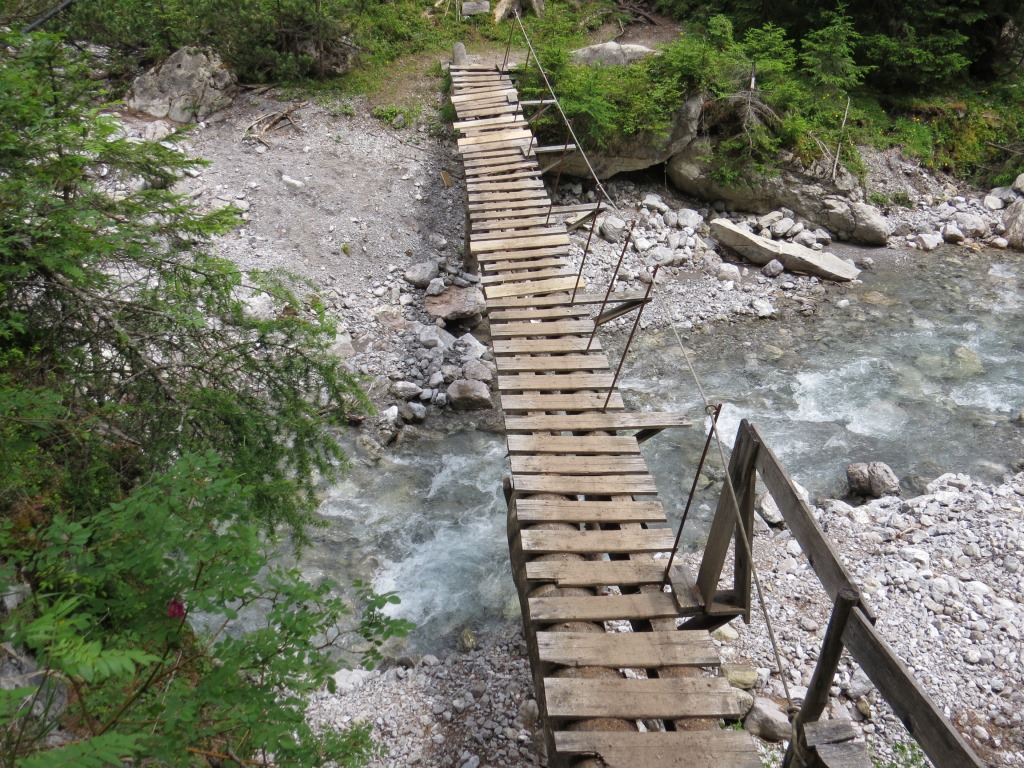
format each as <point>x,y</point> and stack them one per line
<point>741,473</point>
<point>824,672</point>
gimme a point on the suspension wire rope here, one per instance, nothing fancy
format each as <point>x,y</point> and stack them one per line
<point>739,518</point>
<point>558,106</point>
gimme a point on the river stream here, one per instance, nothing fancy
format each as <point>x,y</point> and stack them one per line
<point>921,366</point>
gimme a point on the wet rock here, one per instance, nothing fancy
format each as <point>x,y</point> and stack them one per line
<point>929,241</point>
<point>1013,220</point>
<point>875,479</point>
<point>469,395</point>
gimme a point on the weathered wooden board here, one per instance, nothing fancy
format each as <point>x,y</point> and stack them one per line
<point>663,749</point>
<point>671,698</point>
<point>592,362</point>
<point>526,272</point>
<point>628,650</point>
<point>536,346</point>
<point>489,122</point>
<point>535,287</point>
<point>540,327</point>
<point>520,243</point>
<point>581,298</point>
<point>583,422</point>
<point>578,465</point>
<point>521,233</point>
<point>547,382</point>
<point>480,226</point>
<point>581,445</point>
<point>597,573</point>
<point>545,313</point>
<point>572,485</point>
<point>577,402</point>
<point>501,185</point>
<point>482,93</point>
<point>499,137</point>
<point>496,268</point>
<point>541,542</point>
<point>486,259</point>
<point>490,206</point>
<point>647,605</point>
<point>537,197</point>
<point>564,511</point>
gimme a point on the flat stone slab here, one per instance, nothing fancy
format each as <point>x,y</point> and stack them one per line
<point>796,258</point>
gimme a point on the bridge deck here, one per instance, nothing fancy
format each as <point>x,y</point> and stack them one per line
<point>615,679</point>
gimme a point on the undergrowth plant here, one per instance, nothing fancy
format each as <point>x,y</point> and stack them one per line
<point>158,437</point>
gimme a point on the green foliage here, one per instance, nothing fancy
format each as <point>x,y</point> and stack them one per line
<point>827,54</point>
<point>155,434</point>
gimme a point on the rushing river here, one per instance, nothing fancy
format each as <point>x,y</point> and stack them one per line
<point>921,367</point>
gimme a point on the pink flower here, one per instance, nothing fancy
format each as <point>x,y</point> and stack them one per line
<point>176,609</point>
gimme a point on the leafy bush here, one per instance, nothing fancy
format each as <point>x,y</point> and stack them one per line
<point>156,433</point>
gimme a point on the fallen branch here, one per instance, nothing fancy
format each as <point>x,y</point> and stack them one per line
<point>272,121</point>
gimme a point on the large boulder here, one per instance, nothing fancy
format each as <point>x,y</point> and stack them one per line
<point>641,150</point>
<point>874,479</point>
<point>611,54</point>
<point>456,304</point>
<point>469,395</point>
<point>1013,220</point>
<point>796,258</point>
<point>189,86</point>
<point>809,191</point>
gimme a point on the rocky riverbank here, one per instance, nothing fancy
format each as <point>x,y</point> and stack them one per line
<point>372,218</point>
<point>943,571</point>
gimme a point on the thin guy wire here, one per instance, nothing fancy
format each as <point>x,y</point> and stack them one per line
<point>558,105</point>
<point>739,521</point>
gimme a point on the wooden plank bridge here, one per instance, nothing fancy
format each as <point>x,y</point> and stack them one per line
<point>617,683</point>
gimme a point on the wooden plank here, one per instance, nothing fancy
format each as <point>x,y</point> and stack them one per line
<point>546,313</point>
<point>474,7</point>
<point>499,267</point>
<point>589,422</point>
<point>648,605</point>
<point>578,465</point>
<point>594,362</point>
<point>848,755</point>
<point>500,185</point>
<point>521,233</point>
<point>557,382</point>
<point>651,750</point>
<point>597,573</point>
<point>535,346</point>
<point>526,271</point>
<point>541,328</point>
<point>688,743</point>
<point>565,511</point>
<point>480,91</point>
<point>628,650</point>
<point>520,243</point>
<point>495,268</point>
<point>582,401</point>
<point>499,137</point>
<point>672,698</point>
<point>486,206</point>
<point>582,445</point>
<point>536,197</point>
<point>581,298</point>
<point>585,485</point>
<point>467,112</point>
<point>541,382</point>
<point>485,162</point>
<point>495,150</point>
<point>532,288</point>
<point>540,542</point>
<point>943,745</point>
<point>488,122</point>
<point>828,732</point>
<point>525,255</point>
